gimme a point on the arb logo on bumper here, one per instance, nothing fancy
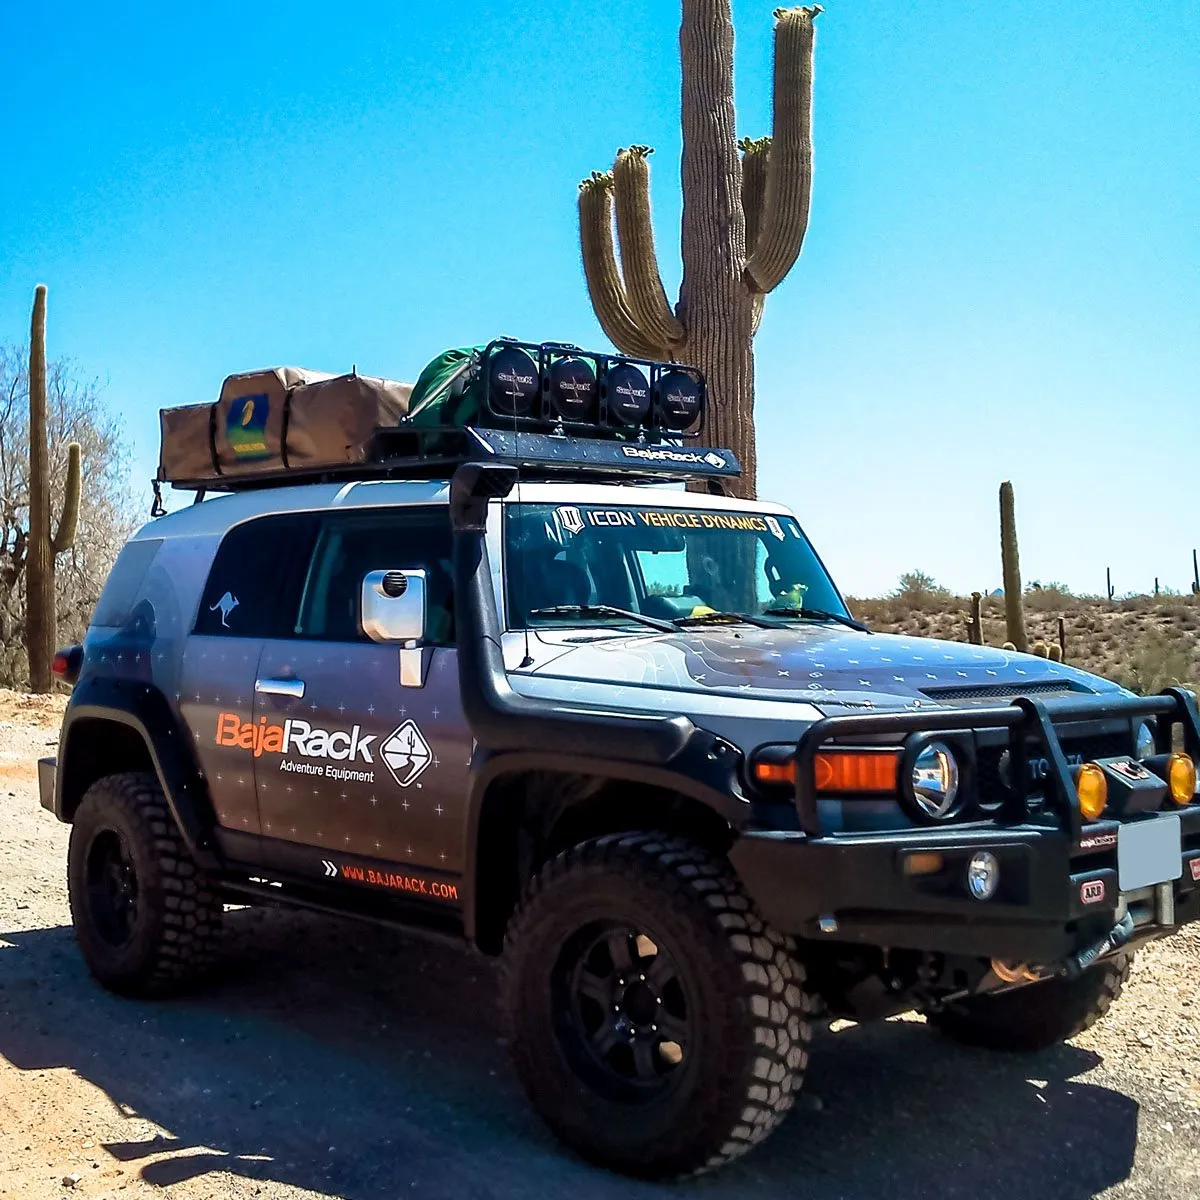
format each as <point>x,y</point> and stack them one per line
<point>1092,892</point>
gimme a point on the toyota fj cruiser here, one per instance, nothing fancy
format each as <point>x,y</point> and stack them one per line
<point>454,659</point>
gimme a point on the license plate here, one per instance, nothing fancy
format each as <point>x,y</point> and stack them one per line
<point>1149,852</point>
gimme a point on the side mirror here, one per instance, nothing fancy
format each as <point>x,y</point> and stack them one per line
<point>393,607</point>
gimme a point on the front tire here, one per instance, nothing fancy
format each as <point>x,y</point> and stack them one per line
<point>145,917</point>
<point>657,1024</point>
<point>1039,1015</point>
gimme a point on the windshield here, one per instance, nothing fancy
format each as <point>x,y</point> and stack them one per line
<point>616,564</point>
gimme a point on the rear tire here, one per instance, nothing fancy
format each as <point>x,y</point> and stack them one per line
<point>145,917</point>
<point>1039,1015</point>
<point>656,1022</point>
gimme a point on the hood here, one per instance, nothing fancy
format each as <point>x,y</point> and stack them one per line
<point>829,666</point>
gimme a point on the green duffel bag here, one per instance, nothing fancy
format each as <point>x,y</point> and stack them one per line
<point>448,392</point>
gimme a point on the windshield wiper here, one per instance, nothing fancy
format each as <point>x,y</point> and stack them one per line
<point>602,610</point>
<point>815,614</point>
<point>727,618</point>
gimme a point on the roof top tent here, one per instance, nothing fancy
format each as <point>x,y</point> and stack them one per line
<point>550,408</point>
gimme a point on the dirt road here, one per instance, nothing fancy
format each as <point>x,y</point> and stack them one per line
<point>338,1060</point>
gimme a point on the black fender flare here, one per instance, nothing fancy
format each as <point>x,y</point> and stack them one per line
<point>144,709</point>
<point>706,770</point>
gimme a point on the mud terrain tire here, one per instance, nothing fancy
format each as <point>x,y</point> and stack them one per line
<point>1038,1016</point>
<point>145,917</point>
<point>732,1027</point>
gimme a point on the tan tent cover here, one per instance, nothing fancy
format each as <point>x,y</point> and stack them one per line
<point>282,419</point>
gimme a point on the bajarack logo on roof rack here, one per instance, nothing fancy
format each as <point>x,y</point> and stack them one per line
<point>689,457</point>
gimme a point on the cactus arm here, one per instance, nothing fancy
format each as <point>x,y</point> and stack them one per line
<point>639,260</point>
<point>68,522</point>
<point>756,153</point>
<point>605,285</point>
<point>1014,605</point>
<point>790,163</point>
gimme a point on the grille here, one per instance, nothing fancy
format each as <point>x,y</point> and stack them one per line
<point>992,788</point>
<point>996,691</point>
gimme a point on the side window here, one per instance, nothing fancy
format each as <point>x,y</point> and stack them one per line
<point>125,582</point>
<point>254,577</point>
<point>353,544</point>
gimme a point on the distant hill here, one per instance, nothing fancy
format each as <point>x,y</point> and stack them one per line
<point>1145,643</point>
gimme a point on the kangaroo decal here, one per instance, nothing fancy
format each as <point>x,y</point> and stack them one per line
<point>226,604</point>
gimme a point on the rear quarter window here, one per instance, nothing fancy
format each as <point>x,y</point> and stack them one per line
<point>252,586</point>
<point>125,581</point>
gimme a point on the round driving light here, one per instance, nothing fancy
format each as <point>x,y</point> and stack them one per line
<point>628,395</point>
<point>1144,742</point>
<point>1092,785</point>
<point>983,875</point>
<point>935,780</point>
<point>573,390</point>
<point>513,382</point>
<point>1181,778</point>
<point>679,400</point>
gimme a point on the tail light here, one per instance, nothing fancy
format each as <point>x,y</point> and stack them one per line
<point>67,664</point>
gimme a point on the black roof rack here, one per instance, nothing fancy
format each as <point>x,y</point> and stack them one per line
<point>410,453</point>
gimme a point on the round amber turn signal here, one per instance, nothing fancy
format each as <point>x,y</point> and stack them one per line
<point>1181,778</point>
<point>1092,786</point>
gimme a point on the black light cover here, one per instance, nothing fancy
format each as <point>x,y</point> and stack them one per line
<point>573,390</point>
<point>679,400</point>
<point>513,382</point>
<point>628,394</point>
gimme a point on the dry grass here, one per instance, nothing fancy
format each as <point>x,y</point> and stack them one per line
<point>1143,642</point>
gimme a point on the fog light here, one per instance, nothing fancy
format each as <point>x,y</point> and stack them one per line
<point>983,875</point>
<point>1092,786</point>
<point>1181,778</point>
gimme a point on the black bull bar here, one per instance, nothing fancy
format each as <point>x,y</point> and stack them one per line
<point>1030,723</point>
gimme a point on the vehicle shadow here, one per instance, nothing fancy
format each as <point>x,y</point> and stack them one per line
<point>358,1062</point>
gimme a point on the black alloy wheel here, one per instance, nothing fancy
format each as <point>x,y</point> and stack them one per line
<point>624,1012</point>
<point>112,888</point>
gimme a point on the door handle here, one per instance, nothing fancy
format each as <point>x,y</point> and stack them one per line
<point>292,688</point>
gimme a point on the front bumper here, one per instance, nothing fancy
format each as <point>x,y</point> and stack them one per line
<point>1054,899</point>
<point>1059,890</point>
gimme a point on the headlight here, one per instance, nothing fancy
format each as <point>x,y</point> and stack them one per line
<point>1143,747</point>
<point>935,780</point>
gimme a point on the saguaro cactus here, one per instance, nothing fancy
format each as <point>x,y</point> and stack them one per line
<point>975,620</point>
<point>744,221</point>
<point>1014,600</point>
<point>41,619</point>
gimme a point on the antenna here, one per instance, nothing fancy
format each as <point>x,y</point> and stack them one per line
<point>527,661</point>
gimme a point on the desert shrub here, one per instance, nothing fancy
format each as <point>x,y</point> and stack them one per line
<point>1160,659</point>
<point>920,592</point>
<point>1051,597</point>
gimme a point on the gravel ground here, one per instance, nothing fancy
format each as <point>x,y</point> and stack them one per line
<point>334,1059</point>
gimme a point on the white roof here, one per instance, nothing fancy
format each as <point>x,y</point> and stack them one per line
<point>215,515</point>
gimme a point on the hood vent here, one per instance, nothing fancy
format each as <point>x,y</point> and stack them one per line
<point>1045,689</point>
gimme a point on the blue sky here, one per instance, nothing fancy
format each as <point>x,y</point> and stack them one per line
<point>1001,279</point>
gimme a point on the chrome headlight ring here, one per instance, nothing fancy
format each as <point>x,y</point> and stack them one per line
<point>935,779</point>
